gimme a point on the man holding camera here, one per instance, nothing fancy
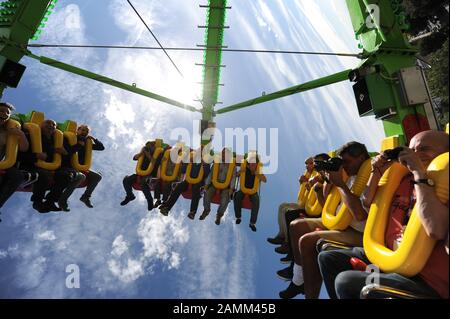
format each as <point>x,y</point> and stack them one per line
<point>304,233</point>
<point>416,188</point>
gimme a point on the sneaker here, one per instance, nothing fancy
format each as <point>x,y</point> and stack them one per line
<point>217,222</point>
<point>40,207</point>
<point>204,215</point>
<point>157,203</point>
<point>150,206</point>
<point>238,221</point>
<point>292,291</point>
<point>51,206</point>
<point>287,259</point>
<point>252,227</point>
<point>64,206</point>
<point>86,200</point>
<point>127,200</point>
<point>164,211</point>
<point>275,240</point>
<point>191,215</point>
<point>286,273</point>
<point>283,249</point>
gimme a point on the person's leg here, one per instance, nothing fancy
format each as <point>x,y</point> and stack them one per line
<point>333,262</point>
<point>350,283</point>
<point>224,200</point>
<point>167,189</point>
<point>254,199</point>
<point>145,186</point>
<point>298,228</point>
<point>128,186</point>
<point>281,223</point>
<point>9,183</point>
<point>238,205</point>
<point>180,188</point>
<point>308,254</point>
<point>76,180</point>
<point>92,180</point>
<point>41,185</point>
<point>290,216</point>
<point>207,201</point>
<point>158,190</point>
<point>195,198</point>
<point>62,179</point>
<point>282,210</point>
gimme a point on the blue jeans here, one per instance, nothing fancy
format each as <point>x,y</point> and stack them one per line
<point>342,282</point>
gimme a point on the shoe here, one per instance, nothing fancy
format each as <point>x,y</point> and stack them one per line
<point>40,207</point>
<point>86,200</point>
<point>51,206</point>
<point>286,273</point>
<point>217,222</point>
<point>292,291</point>
<point>283,249</point>
<point>252,227</point>
<point>64,206</point>
<point>275,240</point>
<point>164,211</point>
<point>127,200</point>
<point>191,215</point>
<point>287,259</point>
<point>238,221</point>
<point>157,203</point>
<point>150,206</point>
<point>204,215</point>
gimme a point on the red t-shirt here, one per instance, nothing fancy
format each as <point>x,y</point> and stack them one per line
<point>435,271</point>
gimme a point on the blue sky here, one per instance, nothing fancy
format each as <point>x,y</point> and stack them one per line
<point>128,252</point>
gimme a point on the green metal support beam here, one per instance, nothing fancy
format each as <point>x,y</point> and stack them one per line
<point>109,81</point>
<point>334,78</point>
<point>213,55</point>
<point>379,27</point>
<point>20,20</point>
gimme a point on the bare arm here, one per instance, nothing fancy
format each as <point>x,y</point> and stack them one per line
<point>23,141</point>
<point>263,178</point>
<point>319,189</point>
<point>432,212</point>
<point>379,165</point>
<point>351,201</point>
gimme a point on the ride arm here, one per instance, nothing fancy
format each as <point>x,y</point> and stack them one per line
<point>334,78</point>
<point>109,81</point>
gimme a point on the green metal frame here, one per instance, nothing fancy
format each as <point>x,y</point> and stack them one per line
<point>385,51</point>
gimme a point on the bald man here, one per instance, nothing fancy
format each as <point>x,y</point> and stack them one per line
<point>27,162</point>
<point>344,283</point>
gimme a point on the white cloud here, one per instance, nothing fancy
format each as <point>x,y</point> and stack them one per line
<point>119,245</point>
<point>48,235</point>
<point>3,254</point>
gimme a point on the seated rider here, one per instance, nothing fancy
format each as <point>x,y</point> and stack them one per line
<point>250,174</point>
<point>147,151</point>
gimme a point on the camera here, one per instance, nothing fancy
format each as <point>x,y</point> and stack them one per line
<point>393,153</point>
<point>331,165</point>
